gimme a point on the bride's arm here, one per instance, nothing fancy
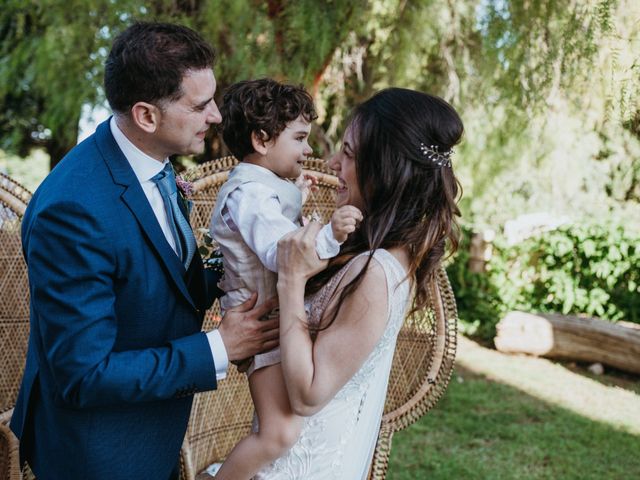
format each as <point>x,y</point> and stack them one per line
<point>315,371</point>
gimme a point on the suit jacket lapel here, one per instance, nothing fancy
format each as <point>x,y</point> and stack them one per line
<point>134,197</point>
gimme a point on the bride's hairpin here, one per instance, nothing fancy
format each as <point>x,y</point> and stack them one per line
<point>442,159</point>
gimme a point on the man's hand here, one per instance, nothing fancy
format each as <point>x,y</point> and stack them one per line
<point>244,334</point>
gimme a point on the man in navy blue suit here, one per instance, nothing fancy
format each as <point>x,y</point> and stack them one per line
<point>116,350</point>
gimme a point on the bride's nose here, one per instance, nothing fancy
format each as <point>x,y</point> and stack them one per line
<point>333,163</point>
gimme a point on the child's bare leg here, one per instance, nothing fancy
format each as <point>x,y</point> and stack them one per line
<point>279,427</point>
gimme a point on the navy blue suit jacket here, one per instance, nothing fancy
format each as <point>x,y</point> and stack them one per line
<point>116,350</point>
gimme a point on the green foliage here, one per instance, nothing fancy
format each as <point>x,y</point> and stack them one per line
<point>477,298</point>
<point>548,91</point>
<point>52,62</point>
<point>579,269</point>
<point>536,48</point>
<point>292,41</point>
<point>590,269</point>
<point>53,53</point>
<point>30,171</point>
<point>552,138</point>
<point>545,89</point>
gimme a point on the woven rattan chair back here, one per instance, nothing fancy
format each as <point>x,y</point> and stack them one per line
<point>14,316</point>
<point>421,368</point>
<point>14,285</point>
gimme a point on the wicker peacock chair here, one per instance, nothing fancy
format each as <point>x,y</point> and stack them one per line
<point>14,316</point>
<point>421,368</point>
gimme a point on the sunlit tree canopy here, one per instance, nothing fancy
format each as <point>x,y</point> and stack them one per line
<point>548,90</point>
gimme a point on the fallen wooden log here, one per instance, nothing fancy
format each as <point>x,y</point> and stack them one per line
<point>568,337</point>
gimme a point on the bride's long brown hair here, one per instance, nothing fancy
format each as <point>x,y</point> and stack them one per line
<point>409,200</point>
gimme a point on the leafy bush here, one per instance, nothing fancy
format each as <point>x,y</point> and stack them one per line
<point>479,303</point>
<point>578,269</point>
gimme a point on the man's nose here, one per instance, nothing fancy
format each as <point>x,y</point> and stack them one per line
<point>214,114</point>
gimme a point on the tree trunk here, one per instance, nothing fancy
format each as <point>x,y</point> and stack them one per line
<point>56,152</point>
<point>568,337</point>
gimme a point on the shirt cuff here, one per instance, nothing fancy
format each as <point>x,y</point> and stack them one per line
<point>326,244</point>
<point>220,359</point>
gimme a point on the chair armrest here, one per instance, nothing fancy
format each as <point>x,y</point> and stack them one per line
<point>9,449</point>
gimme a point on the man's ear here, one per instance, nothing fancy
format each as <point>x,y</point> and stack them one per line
<point>259,142</point>
<point>146,116</point>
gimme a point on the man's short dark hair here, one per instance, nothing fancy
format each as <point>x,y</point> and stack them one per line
<point>148,62</point>
<point>263,106</point>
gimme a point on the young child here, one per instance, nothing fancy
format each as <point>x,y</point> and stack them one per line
<point>266,125</point>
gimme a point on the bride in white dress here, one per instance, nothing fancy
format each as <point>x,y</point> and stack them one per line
<point>395,166</point>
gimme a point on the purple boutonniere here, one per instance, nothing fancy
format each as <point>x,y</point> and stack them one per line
<point>185,187</point>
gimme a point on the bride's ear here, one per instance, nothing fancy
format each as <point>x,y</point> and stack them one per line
<point>260,141</point>
<point>146,116</point>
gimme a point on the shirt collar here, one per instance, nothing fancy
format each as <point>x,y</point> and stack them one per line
<point>253,166</point>
<point>144,166</point>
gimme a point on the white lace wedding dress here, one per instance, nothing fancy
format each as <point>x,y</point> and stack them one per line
<point>338,441</point>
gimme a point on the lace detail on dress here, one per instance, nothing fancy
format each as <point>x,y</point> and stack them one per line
<point>317,303</point>
<point>337,442</point>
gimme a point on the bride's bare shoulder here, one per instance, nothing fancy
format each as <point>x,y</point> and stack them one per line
<point>374,271</point>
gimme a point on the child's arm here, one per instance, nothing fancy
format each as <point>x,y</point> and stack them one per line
<point>307,184</point>
<point>343,222</point>
<point>255,212</point>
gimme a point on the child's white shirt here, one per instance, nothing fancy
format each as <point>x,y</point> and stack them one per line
<point>254,210</point>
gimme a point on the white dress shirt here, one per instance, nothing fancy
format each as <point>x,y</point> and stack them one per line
<point>255,211</point>
<point>145,168</point>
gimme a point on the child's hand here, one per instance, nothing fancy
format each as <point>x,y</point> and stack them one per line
<point>344,221</point>
<point>306,183</point>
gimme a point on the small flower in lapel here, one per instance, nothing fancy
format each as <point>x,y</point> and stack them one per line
<point>185,187</point>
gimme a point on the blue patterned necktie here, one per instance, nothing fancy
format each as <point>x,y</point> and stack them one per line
<point>179,225</point>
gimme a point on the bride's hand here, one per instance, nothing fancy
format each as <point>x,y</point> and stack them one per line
<point>297,256</point>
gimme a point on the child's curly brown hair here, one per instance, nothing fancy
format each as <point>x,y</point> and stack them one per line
<point>264,106</point>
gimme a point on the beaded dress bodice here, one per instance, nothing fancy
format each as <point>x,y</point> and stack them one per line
<point>338,441</point>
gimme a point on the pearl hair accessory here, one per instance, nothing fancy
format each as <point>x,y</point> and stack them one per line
<point>442,159</point>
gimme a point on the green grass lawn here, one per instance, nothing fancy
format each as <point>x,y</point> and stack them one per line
<point>512,417</point>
